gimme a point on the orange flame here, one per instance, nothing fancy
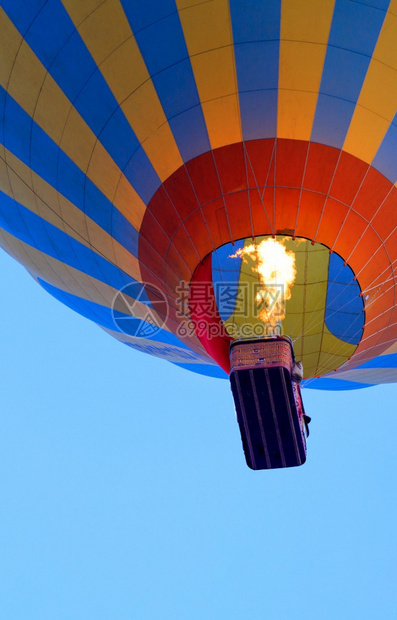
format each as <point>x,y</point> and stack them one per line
<point>275,266</point>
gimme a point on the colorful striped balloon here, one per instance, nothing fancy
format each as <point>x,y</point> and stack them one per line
<point>143,142</point>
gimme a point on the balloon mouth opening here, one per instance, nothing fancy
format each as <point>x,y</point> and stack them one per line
<point>321,307</point>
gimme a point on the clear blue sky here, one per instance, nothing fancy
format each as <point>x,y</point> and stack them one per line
<point>125,495</point>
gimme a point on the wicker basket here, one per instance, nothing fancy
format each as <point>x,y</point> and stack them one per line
<point>264,353</point>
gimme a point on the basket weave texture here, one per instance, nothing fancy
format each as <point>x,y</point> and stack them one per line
<point>265,354</point>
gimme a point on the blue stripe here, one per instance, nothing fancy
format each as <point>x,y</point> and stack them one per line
<point>344,316</point>
<point>58,45</point>
<point>47,238</point>
<point>27,141</point>
<point>144,14</point>
<point>354,33</point>
<point>255,21</point>
<point>258,114</point>
<point>256,34</point>
<point>385,159</point>
<point>225,277</point>
<point>224,268</point>
<point>332,120</point>
<point>161,42</point>
<point>382,5</point>
<point>177,91</point>
<point>333,385</point>
<point>23,13</point>
<point>356,25</point>
<point>102,315</point>
<point>382,361</point>
<point>339,272</point>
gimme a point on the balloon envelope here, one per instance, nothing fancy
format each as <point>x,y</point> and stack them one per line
<point>142,140</point>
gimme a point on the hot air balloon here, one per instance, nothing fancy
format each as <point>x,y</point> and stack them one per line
<point>144,143</point>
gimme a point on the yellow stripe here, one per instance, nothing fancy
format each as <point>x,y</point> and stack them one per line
<point>305,310</point>
<point>63,276</point>
<point>16,249</point>
<point>106,33</point>
<point>208,36</point>
<point>30,190</point>
<point>376,105</point>
<point>57,273</point>
<point>334,352</point>
<point>28,82</point>
<point>304,35</point>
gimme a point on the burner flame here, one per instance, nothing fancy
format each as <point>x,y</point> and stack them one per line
<point>275,266</point>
